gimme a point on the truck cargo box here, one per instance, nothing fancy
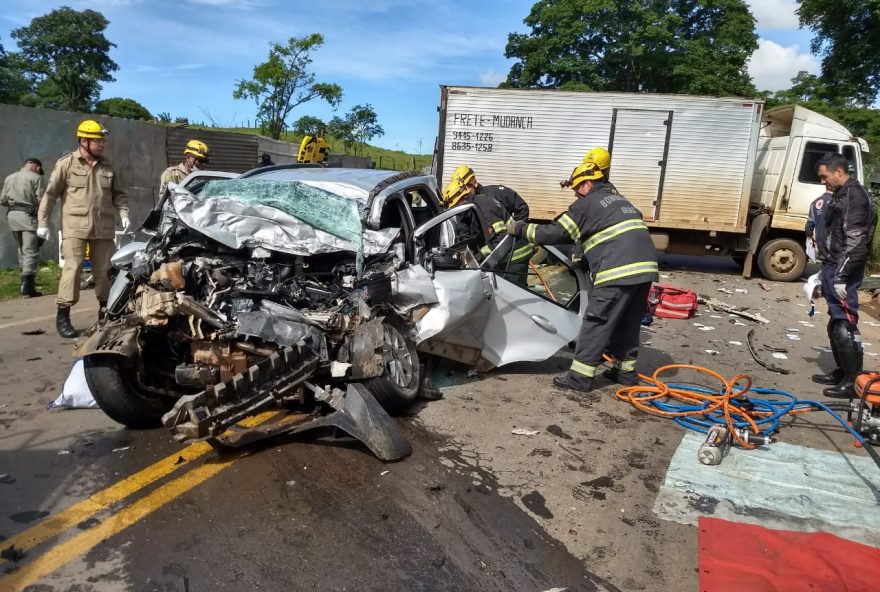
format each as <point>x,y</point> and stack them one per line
<point>686,162</point>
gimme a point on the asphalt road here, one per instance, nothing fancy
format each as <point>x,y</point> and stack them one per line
<point>88,506</point>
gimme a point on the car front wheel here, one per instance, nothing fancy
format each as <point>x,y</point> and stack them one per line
<point>401,378</point>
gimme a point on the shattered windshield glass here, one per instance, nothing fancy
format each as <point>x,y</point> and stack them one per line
<point>316,207</point>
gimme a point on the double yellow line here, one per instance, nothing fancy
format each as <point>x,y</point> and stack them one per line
<point>78,545</point>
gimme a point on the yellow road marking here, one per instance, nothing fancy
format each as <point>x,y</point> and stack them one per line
<point>64,552</point>
<point>54,525</point>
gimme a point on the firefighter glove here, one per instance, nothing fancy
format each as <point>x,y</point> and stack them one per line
<point>514,227</point>
<point>126,224</point>
<point>43,232</point>
<point>840,291</point>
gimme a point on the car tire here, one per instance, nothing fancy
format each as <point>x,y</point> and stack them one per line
<point>399,384</point>
<point>115,394</point>
<point>782,260</point>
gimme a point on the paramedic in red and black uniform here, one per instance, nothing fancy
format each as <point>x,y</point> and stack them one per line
<point>850,219</point>
<point>622,261</point>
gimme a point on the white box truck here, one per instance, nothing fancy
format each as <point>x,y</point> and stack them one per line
<point>712,176</point>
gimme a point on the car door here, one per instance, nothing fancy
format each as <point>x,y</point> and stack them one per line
<point>486,320</point>
<point>532,324</point>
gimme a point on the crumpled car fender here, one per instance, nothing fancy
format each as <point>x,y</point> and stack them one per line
<point>117,338</point>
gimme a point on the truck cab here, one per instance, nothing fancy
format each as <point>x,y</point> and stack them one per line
<point>785,183</point>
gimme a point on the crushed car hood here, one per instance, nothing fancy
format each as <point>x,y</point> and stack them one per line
<point>292,217</point>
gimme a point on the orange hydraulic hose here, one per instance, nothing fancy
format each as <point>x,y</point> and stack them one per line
<point>654,388</point>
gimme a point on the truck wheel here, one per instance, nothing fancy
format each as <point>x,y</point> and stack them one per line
<point>782,260</point>
<point>399,384</point>
<point>109,380</point>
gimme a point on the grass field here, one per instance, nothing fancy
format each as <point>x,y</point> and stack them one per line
<point>48,275</point>
<point>395,160</point>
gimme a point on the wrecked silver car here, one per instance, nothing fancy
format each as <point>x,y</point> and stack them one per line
<point>319,292</point>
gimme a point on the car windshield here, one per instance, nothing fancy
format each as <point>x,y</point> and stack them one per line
<point>316,207</point>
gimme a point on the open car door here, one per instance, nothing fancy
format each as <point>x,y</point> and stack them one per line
<point>485,319</point>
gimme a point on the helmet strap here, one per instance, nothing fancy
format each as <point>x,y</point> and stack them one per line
<point>85,143</point>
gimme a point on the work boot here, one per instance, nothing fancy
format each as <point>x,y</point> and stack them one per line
<point>27,286</point>
<point>63,324</point>
<point>836,375</point>
<point>581,384</point>
<point>849,351</point>
<point>617,375</point>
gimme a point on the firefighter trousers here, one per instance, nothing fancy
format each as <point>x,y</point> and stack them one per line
<point>611,324</point>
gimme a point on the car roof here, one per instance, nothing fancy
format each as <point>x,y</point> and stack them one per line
<point>365,179</point>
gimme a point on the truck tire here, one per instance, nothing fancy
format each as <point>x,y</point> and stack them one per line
<point>123,402</point>
<point>399,384</point>
<point>782,260</point>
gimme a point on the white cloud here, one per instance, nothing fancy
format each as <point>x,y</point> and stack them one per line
<point>774,15</point>
<point>773,66</point>
<point>492,78</point>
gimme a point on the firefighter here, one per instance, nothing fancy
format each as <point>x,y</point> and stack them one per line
<point>195,155</point>
<point>622,262</point>
<point>91,197</point>
<point>850,219</point>
<point>500,206</point>
<point>21,195</point>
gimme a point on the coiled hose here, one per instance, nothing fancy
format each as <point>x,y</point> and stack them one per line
<point>699,408</point>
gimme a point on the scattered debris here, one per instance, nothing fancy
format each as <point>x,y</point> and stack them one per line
<point>10,553</point>
<point>717,304</point>
<point>822,348</point>
<point>472,373</point>
<point>524,432</point>
<point>557,431</point>
<point>765,286</point>
<point>793,337</point>
<point>121,449</point>
<point>712,352</point>
<point>780,356</point>
<point>749,339</point>
<point>383,473</point>
<point>64,451</point>
<point>742,291</point>
<point>793,329</point>
<point>725,291</point>
<point>290,483</point>
<point>180,460</point>
<point>33,359</point>
<point>34,332</point>
<point>872,354</point>
<point>734,343</point>
<point>806,324</point>
<point>6,479</point>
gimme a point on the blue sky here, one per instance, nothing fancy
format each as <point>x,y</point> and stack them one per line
<point>184,56</point>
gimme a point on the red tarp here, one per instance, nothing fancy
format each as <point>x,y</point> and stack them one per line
<point>737,557</point>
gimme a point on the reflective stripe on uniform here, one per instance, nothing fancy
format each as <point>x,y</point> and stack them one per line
<point>570,226</point>
<point>583,369</point>
<point>499,227</point>
<point>615,273</point>
<point>625,365</point>
<point>531,233</point>
<point>524,252</point>
<point>485,250</point>
<point>612,231</point>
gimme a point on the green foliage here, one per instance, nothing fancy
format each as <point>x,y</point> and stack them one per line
<point>847,36</point>
<point>69,57</point>
<point>14,83</point>
<point>681,46</point>
<point>47,277</point>
<point>307,125</point>
<point>124,108</point>
<point>359,126</point>
<point>284,81</point>
<point>163,117</point>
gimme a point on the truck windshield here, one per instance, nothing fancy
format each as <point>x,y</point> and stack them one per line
<point>813,151</point>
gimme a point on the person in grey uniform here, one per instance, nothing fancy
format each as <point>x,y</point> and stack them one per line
<point>20,196</point>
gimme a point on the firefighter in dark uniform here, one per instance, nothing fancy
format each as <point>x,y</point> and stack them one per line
<point>850,219</point>
<point>622,262</point>
<point>499,206</point>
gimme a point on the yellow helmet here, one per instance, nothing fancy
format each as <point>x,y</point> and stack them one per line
<point>463,174</point>
<point>453,193</point>
<point>198,149</point>
<point>91,129</point>
<point>599,157</point>
<point>584,172</point>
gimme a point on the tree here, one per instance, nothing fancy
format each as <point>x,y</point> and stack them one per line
<point>308,125</point>
<point>359,126</point>
<point>847,36</point>
<point>124,108</point>
<point>805,88</point>
<point>14,83</point>
<point>284,81</point>
<point>69,56</point>
<point>685,46</point>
